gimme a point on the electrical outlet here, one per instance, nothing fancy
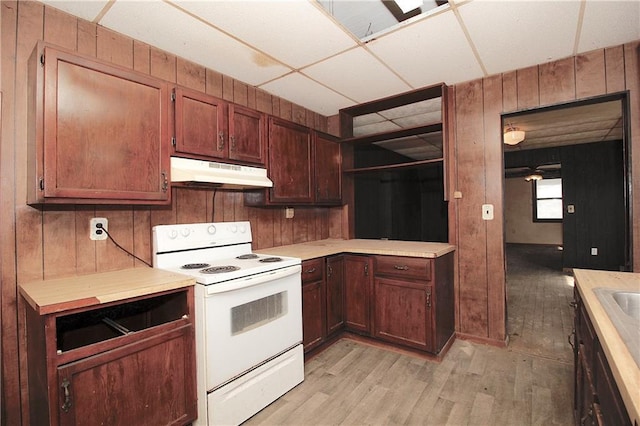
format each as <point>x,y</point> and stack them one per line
<point>95,232</point>
<point>487,211</point>
<point>594,251</point>
<point>289,212</point>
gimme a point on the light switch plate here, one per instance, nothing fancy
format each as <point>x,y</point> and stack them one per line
<point>289,213</point>
<point>487,211</point>
<point>571,208</point>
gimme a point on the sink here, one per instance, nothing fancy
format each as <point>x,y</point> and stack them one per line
<point>623,308</point>
<point>629,302</point>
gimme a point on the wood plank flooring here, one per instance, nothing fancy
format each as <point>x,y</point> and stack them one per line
<point>352,383</point>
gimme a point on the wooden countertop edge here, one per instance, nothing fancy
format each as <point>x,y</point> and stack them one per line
<point>623,366</point>
<point>322,248</point>
<point>63,294</point>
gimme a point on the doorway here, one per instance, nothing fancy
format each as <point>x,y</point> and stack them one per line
<point>584,146</point>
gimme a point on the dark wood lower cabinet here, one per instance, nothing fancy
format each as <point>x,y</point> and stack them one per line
<point>403,313</point>
<point>401,300</point>
<point>120,363</point>
<point>358,287</point>
<point>597,400</point>
<point>313,304</point>
<point>335,294</point>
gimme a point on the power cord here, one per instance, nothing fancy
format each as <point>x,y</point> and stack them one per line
<point>101,229</point>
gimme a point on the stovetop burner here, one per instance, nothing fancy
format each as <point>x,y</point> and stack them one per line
<point>219,269</point>
<point>270,259</point>
<point>247,256</point>
<point>195,266</point>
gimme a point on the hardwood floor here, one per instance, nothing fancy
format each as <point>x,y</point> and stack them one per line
<point>528,383</point>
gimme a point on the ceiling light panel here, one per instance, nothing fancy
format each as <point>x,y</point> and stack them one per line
<point>609,23</point>
<point>295,32</point>
<point>437,48</point>
<point>509,35</point>
<point>169,29</point>
<point>304,91</point>
<point>88,10</point>
<point>357,75</point>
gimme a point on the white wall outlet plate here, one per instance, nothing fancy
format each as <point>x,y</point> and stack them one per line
<point>487,211</point>
<point>289,213</point>
<point>96,233</point>
<point>594,251</point>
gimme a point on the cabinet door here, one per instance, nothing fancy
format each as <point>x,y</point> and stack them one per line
<point>612,407</point>
<point>358,274</point>
<point>150,382</point>
<point>402,312</point>
<point>246,134</point>
<point>289,162</point>
<point>313,314</point>
<point>97,133</point>
<point>328,169</point>
<point>335,294</point>
<point>200,122</point>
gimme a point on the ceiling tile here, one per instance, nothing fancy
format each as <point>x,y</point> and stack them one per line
<point>295,32</point>
<point>429,51</point>
<point>609,23</point>
<point>169,29</point>
<point>518,34</point>
<point>304,91</point>
<point>88,10</point>
<point>357,75</point>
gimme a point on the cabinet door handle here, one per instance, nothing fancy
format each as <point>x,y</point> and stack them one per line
<point>329,271</point>
<point>67,395</point>
<point>366,269</point>
<point>573,304</point>
<point>570,340</point>
<point>310,271</point>
<point>232,141</point>
<point>220,141</point>
<point>165,181</point>
<point>401,267</point>
<point>428,292</point>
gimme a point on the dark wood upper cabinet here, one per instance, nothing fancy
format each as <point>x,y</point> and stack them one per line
<point>247,129</point>
<point>328,169</point>
<point>200,124</point>
<point>97,133</point>
<point>304,165</point>
<point>210,128</point>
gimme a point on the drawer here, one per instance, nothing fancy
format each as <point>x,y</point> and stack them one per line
<point>410,267</point>
<point>312,270</point>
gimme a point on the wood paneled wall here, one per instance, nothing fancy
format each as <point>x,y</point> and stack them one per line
<point>476,170</point>
<point>54,242</point>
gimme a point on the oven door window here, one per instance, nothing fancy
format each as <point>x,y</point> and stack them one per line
<point>257,313</point>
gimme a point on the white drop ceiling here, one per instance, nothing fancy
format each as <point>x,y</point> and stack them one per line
<point>298,51</point>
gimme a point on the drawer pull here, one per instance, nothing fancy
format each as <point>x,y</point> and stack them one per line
<point>428,291</point>
<point>401,267</point>
<point>67,395</point>
<point>310,271</point>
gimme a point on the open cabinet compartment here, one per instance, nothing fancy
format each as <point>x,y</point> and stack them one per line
<point>85,328</point>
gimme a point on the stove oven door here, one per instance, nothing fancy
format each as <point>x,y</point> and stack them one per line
<point>251,323</point>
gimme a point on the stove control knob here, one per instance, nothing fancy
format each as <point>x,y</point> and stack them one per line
<point>211,229</point>
<point>243,229</point>
<point>234,228</point>
<point>185,232</point>
<point>172,234</point>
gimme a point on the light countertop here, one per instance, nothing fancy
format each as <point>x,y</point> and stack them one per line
<point>55,295</point>
<point>328,247</point>
<point>623,366</point>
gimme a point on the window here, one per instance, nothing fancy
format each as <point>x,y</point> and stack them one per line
<point>547,200</point>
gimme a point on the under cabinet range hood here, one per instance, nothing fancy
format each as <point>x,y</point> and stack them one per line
<point>208,174</point>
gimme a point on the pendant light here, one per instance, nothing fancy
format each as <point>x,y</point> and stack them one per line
<point>513,136</point>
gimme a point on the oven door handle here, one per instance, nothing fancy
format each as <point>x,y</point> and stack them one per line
<point>253,280</point>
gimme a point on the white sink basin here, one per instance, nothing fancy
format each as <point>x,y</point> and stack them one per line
<point>623,308</point>
<point>629,302</point>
